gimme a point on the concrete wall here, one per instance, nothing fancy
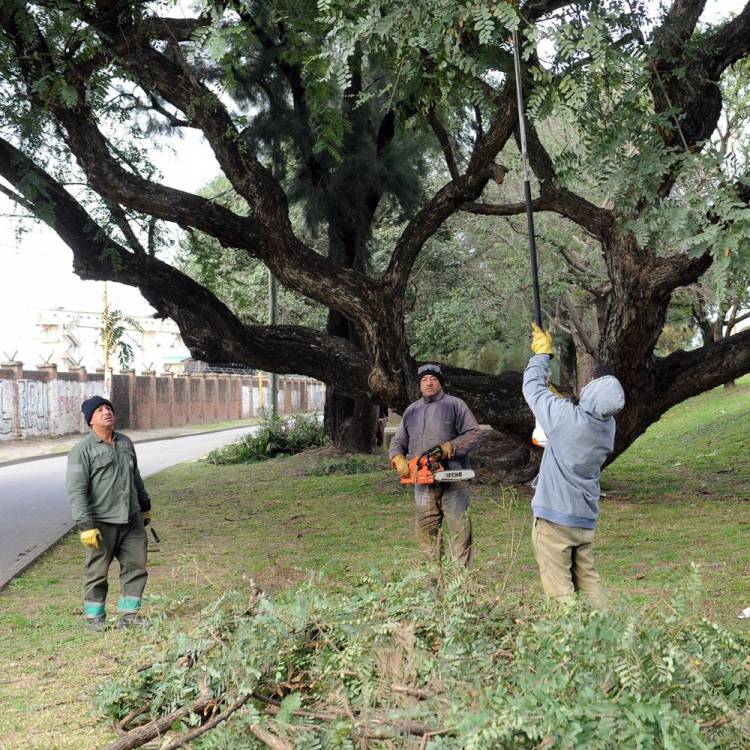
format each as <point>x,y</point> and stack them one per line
<point>37,403</point>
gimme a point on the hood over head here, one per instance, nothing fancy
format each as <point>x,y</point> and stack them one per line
<point>603,397</point>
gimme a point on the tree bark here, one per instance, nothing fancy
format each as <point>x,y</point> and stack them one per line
<point>350,423</point>
<point>568,364</point>
<point>364,357</point>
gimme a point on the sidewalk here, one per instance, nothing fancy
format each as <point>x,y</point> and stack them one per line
<point>30,449</point>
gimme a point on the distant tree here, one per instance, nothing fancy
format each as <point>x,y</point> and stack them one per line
<point>116,340</point>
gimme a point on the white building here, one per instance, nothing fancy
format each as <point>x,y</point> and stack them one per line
<point>72,338</point>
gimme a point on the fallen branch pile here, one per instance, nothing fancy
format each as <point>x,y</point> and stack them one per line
<point>395,663</point>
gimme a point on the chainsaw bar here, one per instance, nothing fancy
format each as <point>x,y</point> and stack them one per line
<point>455,475</point>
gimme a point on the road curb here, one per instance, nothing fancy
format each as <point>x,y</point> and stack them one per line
<point>34,559</point>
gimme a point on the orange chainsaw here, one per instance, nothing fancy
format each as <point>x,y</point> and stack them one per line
<point>426,469</point>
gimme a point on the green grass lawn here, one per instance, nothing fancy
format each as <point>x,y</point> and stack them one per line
<point>680,495</point>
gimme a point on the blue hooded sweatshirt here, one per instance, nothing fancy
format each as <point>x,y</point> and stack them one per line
<point>579,439</point>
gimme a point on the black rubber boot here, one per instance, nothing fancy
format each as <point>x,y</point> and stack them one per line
<point>96,624</point>
<point>131,621</point>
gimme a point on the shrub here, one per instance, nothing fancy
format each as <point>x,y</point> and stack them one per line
<point>391,658</point>
<point>276,436</point>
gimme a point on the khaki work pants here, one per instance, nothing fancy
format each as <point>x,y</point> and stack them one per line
<point>566,562</point>
<point>127,542</point>
<point>444,502</point>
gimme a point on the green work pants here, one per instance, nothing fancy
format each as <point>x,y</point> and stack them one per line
<point>444,502</point>
<point>126,542</point>
<point>566,562</point>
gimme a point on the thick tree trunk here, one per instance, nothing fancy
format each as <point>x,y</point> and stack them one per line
<point>585,364</point>
<point>350,423</point>
<point>568,364</point>
<point>373,367</point>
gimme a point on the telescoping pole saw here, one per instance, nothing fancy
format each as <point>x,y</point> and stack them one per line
<point>538,437</point>
<point>526,182</point>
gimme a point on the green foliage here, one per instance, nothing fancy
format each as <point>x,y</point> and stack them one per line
<point>312,84</point>
<point>348,465</point>
<point>274,521</point>
<point>479,675</point>
<point>600,86</point>
<point>277,436</point>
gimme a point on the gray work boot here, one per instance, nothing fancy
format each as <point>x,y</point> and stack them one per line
<point>131,620</point>
<point>96,624</point>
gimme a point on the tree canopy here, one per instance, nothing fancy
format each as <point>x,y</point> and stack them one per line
<point>332,108</point>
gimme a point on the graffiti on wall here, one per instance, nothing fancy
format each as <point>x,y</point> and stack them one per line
<point>33,406</point>
<point>54,407</point>
<point>314,397</point>
<point>264,403</point>
<point>67,395</point>
<point>7,388</point>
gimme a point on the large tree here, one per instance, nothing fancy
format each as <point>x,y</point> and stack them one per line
<point>323,102</point>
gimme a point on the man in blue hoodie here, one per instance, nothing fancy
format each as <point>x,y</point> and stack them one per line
<point>566,497</point>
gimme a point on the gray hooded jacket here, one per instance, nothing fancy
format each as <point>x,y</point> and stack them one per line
<point>579,439</point>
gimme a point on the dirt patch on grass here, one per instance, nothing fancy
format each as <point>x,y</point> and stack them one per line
<point>276,578</point>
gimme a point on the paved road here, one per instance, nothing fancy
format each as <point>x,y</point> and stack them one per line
<point>34,509</point>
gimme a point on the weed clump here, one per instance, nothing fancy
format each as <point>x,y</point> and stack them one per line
<point>440,666</point>
<point>277,436</point>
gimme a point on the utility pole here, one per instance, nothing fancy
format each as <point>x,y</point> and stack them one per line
<point>105,328</point>
<point>106,341</point>
<point>272,321</point>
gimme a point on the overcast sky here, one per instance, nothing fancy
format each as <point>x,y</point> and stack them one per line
<point>36,273</point>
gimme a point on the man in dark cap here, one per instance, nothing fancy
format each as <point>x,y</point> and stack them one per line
<point>444,420</point>
<point>111,507</point>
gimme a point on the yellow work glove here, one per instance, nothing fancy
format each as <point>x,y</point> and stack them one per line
<point>92,538</point>
<point>551,388</point>
<point>146,517</point>
<point>541,341</point>
<point>446,451</point>
<point>401,465</point>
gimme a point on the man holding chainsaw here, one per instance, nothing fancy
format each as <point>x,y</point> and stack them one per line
<point>111,507</point>
<point>566,498</point>
<point>442,429</point>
